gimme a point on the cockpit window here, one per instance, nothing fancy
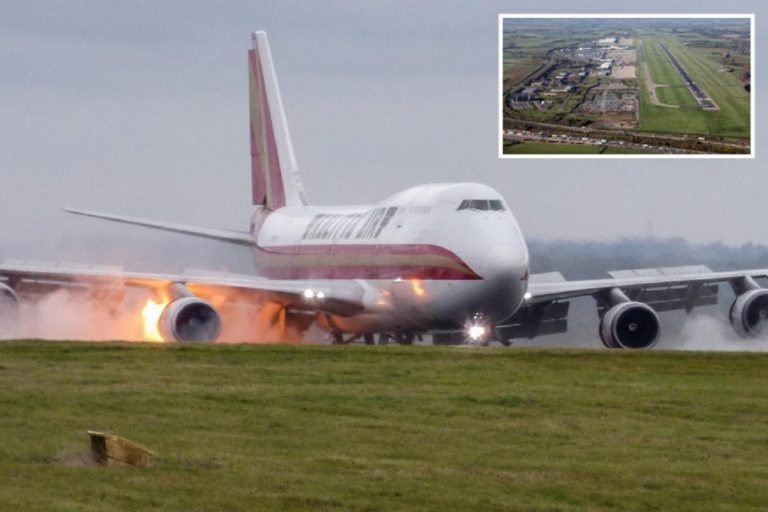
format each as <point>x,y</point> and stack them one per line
<point>496,205</point>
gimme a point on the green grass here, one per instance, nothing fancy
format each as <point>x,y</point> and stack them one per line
<point>627,151</point>
<point>384,428</point>
<point>516,69</point>
<point>733,118</point>
<point>662,70</point>
<point>678,95</point>
<point>546,148</point>
<point>724,88</point>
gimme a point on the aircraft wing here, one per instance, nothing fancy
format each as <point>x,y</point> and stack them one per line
<point>338,298</point>
<point>552,286</point>
<point>546,306</point>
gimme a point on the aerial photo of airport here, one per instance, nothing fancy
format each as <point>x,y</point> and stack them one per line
<point>670,86</point>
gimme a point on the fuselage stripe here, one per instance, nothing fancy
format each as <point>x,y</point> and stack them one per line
<point>362,261</point>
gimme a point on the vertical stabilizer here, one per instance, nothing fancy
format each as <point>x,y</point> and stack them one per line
<point>273,166</point>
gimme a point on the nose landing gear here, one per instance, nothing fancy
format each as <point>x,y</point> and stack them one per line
<point>478,330</point>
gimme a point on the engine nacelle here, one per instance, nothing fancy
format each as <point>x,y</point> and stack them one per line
<point>630,325</point>
<point>749,312</point>
<point>9,301</point>
<point>189,319</point>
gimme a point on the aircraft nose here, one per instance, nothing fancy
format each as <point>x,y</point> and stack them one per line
<point>504,274</point>
<point>504,263</point>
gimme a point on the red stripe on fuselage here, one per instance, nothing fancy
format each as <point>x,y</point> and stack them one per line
<point>362,261</point>
<point>405,272</point>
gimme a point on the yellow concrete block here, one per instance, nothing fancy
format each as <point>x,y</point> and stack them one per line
<point>114,451</point>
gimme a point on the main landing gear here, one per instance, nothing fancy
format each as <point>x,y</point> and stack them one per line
<point>400,338</point>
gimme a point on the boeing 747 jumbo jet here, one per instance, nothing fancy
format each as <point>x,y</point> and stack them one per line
<point>400,268</point>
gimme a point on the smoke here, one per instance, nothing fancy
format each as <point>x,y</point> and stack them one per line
<point>67,314</point>
<point>243,323</point>
<point>75,315</point>
<point>713,333</point>
<point>92,315</point>
<point>88,315</point>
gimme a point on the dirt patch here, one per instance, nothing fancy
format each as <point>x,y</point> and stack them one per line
<point>79,460</point>
<point>623,72</point>
<point>652,88</point>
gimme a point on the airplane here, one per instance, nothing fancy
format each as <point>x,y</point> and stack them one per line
<point>446,259</point>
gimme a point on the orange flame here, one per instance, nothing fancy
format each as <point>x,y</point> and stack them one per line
<point>151,315</point>
<point>418,287</point>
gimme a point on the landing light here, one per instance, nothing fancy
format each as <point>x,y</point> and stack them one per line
<point>527,296</point>
<point>311,294</point>
<point>476,332</point>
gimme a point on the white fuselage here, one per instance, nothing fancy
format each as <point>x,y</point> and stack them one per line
<point>431,257</point>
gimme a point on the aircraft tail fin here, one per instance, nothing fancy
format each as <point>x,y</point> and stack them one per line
<point>275,180</point>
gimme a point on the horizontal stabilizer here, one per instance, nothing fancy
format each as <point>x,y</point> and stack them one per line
<point>222,235</point>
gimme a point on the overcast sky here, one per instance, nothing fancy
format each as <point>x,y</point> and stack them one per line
<point>140,108</point>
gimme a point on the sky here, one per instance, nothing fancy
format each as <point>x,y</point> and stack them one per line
<point>140,108</point>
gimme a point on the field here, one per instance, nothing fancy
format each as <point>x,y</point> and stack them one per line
<point>384,428</point>
<point>516,69</point>
<point>731,120</point>
<point>525,50</point>
<point>547,148</point>
<point>551,65</point>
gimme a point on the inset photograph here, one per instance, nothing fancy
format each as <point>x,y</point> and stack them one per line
<point>640,85</point>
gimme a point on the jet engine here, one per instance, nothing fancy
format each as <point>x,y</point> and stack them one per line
<point>749,312</point>
<point>189,319</point>
<point>630,325</point>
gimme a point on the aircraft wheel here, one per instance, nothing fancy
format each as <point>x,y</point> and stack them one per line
<point>405,339</point>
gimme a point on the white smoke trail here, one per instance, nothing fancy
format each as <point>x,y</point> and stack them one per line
<point>75,315</point>
<point>714,333</point>
<point>71,315</point>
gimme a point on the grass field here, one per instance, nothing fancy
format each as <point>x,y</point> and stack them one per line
<point>546,148</point>
<point>733,118</point>
<point>384,428</point>
<point>516,69</point>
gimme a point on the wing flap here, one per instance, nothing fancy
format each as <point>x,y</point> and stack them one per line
<point>663,271</point>
<point>671,298</point>
<point>535,320</point>
<point>547,277</point>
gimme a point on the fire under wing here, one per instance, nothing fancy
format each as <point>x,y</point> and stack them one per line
<point>546,307</point>
<point>340,298</point>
